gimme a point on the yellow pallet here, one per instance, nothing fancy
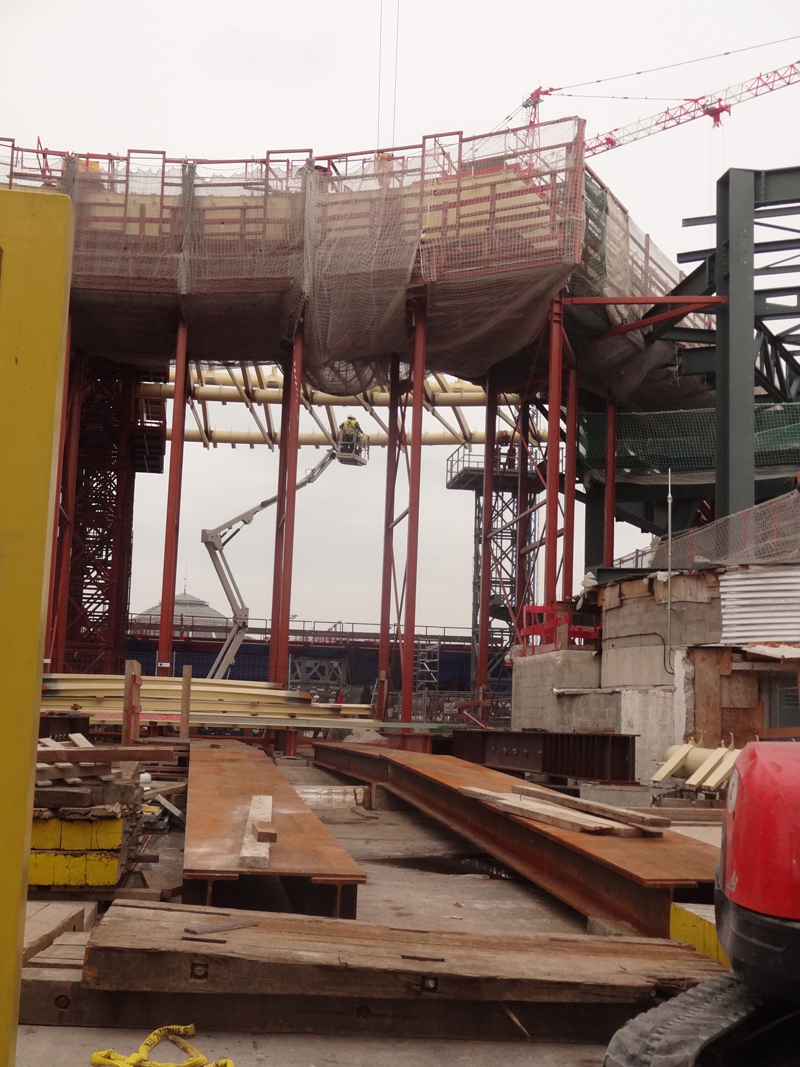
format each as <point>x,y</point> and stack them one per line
<point>74,868</point>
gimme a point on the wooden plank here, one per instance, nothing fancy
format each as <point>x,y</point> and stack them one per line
<point>145,948</point>
<point>553,814</point>
<point>674,763</point>
<point>105,754</point>
<point>707,696</point>
<point>264,831</point>
<point>186,701</point>
<point>593,807</point>
<point>57,997</point>
<point>254,850</point>
<point>54,772</point>
<point>44,922</point>
<point>65,955</point>
<point>222,782</point>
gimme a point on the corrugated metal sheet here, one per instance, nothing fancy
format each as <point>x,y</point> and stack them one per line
<point>760,604</point>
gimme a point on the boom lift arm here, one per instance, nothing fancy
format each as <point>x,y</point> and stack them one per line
<point>215,541</point>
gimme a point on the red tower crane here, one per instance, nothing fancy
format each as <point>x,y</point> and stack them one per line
<point>714,105</point>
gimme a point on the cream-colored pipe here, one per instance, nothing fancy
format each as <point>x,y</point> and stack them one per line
<point>693,761</point>
<point>273,377</point>
<point>319,440</point>
<point>377,398</point>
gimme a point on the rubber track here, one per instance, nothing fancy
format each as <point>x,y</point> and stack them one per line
<point>671,1034</point>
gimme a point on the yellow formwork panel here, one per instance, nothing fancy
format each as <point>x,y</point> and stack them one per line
<point>35,262</point>
<point>100,833</point>
<point>46,833</point>
<point>694,929</point>
<point>76,869</point>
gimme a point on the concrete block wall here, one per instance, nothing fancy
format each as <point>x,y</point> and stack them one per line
<point>534,704</point>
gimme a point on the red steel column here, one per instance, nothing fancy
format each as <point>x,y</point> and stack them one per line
<point>164,658</point>
<point>57,514</point>
<point>611,483</point>
<point>392,456</point>
<point>410,621</point>
<point>280,523</point>
<point>69,474</point>
<point>523,525</point>
<point>553,451</point>
<point>570,464</point>
<point>482,664</point>
<point>284,618</point>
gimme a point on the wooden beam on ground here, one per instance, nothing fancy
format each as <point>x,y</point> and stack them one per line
<point>145,948</point>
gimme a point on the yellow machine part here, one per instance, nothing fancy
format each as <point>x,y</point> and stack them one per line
<point>695,929</point>
<point>35,263</point>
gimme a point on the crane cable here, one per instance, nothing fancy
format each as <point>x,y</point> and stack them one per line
<point>670,66</point>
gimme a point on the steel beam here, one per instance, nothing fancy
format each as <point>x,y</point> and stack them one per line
<point>735,479</point>
<point>523,524</point>
<point>66,513</point>
<point>570,474</point>
<point>290,491</point>
<point>387,573</point>
<point>487,512</point>
<point>573,875</point>
<point>611,483</point>
<point>170,571</point>
<point>553,450</point>
<point>412,551</point>
<point>280,522</point>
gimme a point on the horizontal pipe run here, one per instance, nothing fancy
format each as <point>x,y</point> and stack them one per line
<point>319,440</point>
<point>229,394</point>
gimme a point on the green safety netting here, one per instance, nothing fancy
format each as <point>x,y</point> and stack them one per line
<point>685,440</point>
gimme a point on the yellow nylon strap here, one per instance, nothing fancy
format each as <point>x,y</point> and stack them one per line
<point>176,1034</point>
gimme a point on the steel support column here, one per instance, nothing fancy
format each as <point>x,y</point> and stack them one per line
<point>280,521</point>
<point>392,457</point>
<point>553,451</point>
<point>57,516</point>
<point>285,576</point>
<point>611,484</point>
<point>736,350</point>
<point>570,466</point>
<point>487,510</point>
<point>412,551</point>
<point>523,525</point>
<point>165,629</point>
<point>65,505</point>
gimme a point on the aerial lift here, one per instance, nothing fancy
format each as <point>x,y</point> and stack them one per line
<point>750,1017</point>
<point>351,449</point>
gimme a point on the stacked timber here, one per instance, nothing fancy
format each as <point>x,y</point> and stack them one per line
<point>87,818</point>
<point>213,702</point>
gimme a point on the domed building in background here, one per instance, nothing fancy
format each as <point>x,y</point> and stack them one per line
<point>193,617</point>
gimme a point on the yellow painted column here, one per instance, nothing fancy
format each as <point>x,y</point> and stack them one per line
<point>35,263</point>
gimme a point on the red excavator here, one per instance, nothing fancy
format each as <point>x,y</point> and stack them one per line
<point>749,1017</point>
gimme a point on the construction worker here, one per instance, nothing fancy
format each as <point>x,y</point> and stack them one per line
<point>350,435</point>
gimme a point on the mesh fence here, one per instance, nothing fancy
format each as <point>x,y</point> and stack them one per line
<point>766,533</point>
<point>684,441</point>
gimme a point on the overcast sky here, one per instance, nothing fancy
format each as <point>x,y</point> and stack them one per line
<point>231,81</point>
